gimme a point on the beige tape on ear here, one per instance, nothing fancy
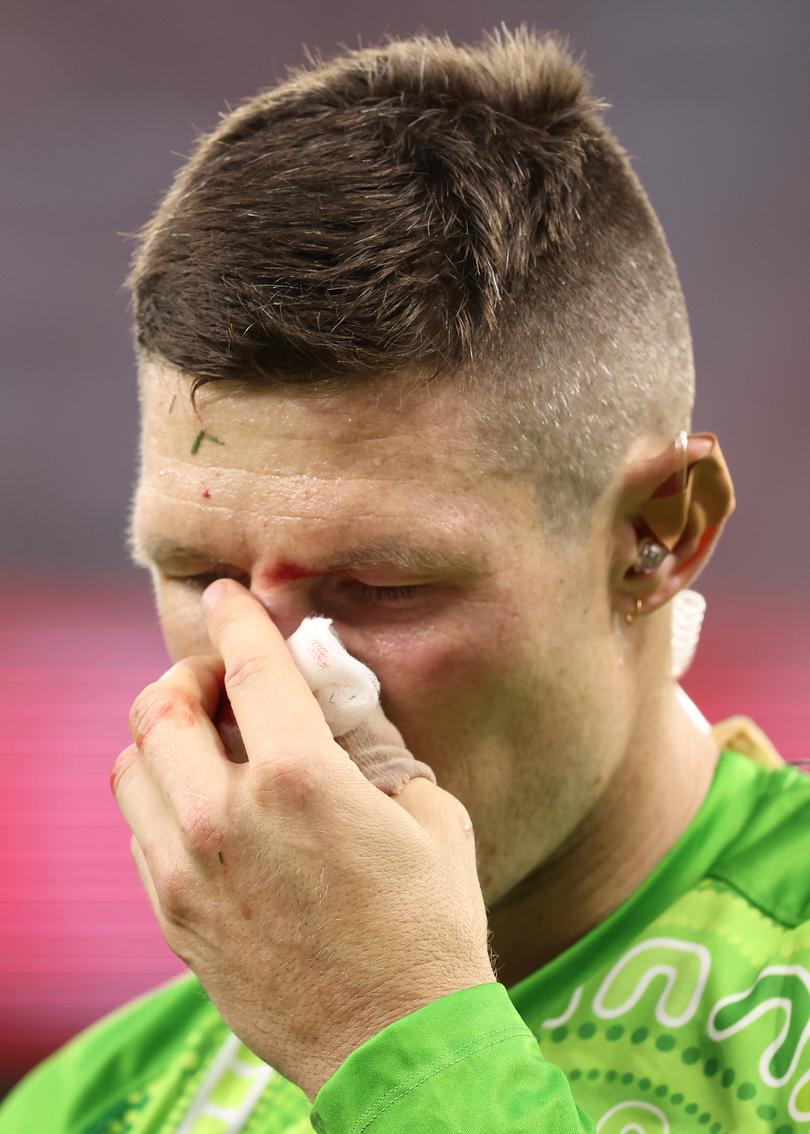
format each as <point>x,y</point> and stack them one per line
<point>706,502</point>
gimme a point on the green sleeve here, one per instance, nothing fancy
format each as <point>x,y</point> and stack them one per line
<point>464,1063</point>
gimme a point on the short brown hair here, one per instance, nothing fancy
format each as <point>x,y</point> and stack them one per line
<point>423,207</point>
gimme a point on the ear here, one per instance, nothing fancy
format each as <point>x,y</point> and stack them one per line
<point>682,498</point>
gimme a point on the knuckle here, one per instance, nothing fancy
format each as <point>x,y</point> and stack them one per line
<point>288,780</point>
<point>158,703</point>
<point>464,819</point>
<point>123,762</point>
<point>199,829</point>
<point>142,708</point>
<point>176,892</point>
<point>461,817</point>
<point>247,672</point>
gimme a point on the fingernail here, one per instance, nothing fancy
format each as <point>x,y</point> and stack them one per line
<point>215,592</point>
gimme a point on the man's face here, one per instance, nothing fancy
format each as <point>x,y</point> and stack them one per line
<point>497,660</point>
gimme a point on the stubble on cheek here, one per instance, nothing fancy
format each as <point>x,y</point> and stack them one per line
<point>458,700</point>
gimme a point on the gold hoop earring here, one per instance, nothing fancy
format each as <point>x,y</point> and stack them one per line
<point>636,612</point>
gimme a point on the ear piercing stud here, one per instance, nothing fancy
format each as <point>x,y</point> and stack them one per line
<point>635,613</point>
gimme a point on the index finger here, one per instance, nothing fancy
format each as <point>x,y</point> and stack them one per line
<point>275,709</point>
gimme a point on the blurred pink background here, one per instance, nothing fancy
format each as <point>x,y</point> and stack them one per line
<point>100,103</point>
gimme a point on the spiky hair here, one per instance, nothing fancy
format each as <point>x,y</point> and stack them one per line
<point>425,207</point>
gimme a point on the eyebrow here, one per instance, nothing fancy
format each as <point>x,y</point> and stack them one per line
<point>404,554</point>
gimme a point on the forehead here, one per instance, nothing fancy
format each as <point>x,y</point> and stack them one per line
<point>372,464</point>
<point>257,429</point>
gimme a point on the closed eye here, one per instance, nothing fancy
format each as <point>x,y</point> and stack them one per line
<point>351,588</point>
<point>366,593</point>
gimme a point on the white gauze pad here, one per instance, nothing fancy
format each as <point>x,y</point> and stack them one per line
<point>348,693</point>
<point>346,689</point>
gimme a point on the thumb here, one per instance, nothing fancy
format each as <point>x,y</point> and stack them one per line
<point>377,748</point>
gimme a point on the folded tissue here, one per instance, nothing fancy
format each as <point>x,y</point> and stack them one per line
<point>348,693</point>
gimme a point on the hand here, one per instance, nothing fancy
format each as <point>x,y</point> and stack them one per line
<point>314,908</point>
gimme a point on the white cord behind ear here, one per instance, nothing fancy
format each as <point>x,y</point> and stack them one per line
<point>688,609</point>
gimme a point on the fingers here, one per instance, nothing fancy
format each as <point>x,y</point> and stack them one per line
<point>145,874</point>
<point>179,744</point>
<point>275,709</point>
<point>141,801</point>
<point>437,811</point>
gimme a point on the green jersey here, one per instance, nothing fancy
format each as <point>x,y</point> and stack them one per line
<point>687,1009</point>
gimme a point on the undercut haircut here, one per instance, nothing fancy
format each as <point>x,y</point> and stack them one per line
<point>458,213</point>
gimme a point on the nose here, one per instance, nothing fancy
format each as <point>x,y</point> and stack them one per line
<point>287,604</point>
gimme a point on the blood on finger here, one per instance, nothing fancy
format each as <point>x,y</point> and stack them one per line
<point>154,706</point>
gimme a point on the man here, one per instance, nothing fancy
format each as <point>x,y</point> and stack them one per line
<point>445,382</point>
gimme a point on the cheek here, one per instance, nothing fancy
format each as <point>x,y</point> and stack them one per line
<point>442,680</point>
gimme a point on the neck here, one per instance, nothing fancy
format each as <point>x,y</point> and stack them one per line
<point>653,796</point>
